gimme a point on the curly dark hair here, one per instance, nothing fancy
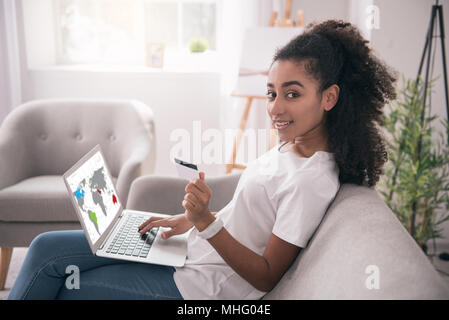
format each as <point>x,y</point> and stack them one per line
<point>334,52</point>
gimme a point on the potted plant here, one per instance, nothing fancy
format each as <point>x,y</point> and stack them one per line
<point>198,45</point>
<point>416,182</point>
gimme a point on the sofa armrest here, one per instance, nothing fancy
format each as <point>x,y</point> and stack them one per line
<point>164,194</point>
<point>14,162</point>
<point>130,170</point>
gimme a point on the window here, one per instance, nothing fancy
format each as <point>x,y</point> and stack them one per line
<point>117,31</point>
<point>177,22</point>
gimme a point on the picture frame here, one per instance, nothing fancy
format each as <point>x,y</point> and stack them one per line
<point>155,55</point>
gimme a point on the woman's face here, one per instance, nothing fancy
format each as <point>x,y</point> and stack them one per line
<point>294,105</point>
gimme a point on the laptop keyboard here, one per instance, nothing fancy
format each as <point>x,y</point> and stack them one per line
<point>129,242</point>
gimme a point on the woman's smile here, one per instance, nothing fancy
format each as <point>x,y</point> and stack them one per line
<point>282,125</point>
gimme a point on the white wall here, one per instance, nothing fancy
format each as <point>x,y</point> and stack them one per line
<point>400,42</point>
<point>401,37</point>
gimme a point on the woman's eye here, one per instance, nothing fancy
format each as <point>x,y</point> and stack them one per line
<point>292,95</point>
<point>270,95</point>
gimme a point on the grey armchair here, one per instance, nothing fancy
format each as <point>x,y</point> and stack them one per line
<point>41,139</point>
<point>359,251</point>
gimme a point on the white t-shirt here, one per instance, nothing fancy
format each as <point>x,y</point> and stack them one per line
<point>280,193</point>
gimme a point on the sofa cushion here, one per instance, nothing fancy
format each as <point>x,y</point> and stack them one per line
<point>46,195</point>
<point>360,239</point>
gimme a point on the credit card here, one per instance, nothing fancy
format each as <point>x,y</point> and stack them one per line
<point>186,170</point>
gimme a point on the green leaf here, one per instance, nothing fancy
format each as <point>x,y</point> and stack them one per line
<point>418,165</point>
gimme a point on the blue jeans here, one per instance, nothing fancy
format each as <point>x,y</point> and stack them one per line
<point>43,273</point>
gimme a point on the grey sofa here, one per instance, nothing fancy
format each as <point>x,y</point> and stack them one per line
<point>359,251</point>
<point>41,139</point>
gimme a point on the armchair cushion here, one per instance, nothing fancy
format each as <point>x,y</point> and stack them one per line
<point>41,198</point>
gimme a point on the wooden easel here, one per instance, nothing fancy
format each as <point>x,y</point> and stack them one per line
<point>286,21</point>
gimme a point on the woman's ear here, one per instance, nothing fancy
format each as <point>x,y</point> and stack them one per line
<point>330,97</point>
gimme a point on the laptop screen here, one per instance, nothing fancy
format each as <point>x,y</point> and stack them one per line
<point>94,193</point>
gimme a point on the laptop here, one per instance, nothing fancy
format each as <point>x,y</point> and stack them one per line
<point>112,232</point>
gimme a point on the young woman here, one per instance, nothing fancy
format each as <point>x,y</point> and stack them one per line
<point>326,91</point>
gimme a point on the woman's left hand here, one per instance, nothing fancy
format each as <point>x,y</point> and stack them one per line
<point>196,200</point>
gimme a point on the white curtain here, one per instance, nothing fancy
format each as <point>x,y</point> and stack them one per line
<point>10,71</point>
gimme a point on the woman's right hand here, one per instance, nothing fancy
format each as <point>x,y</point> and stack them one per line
<point>178,224</point>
